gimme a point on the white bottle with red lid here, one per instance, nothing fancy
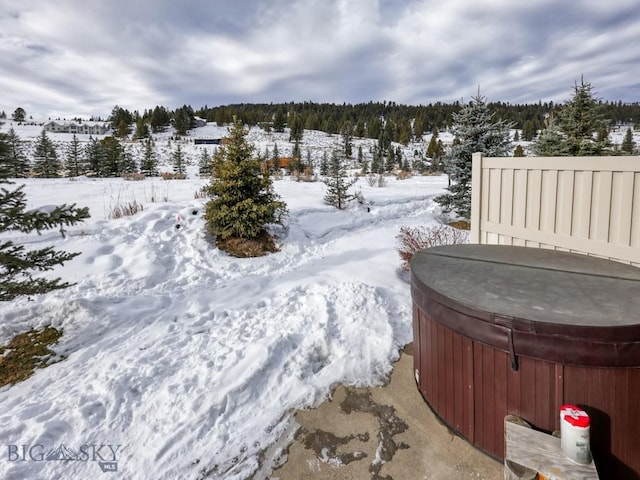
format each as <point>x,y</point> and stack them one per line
<point>574,434</point>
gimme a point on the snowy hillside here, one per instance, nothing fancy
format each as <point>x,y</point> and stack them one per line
<point>183,362</point>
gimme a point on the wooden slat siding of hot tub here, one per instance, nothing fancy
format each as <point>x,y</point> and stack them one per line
<point>417,345</point>
<point>435,383</point>
<point>596,390</point>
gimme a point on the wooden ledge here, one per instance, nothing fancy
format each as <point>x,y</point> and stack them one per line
<point>542,453</point>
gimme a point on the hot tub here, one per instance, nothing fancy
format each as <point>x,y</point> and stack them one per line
<point>511,330</point>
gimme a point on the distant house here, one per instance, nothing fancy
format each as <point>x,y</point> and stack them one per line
<point>80,128</point>
<point>207,141</point>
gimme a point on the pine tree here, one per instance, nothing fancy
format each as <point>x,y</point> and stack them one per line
<point>582,124</point>
<point>47,164</point>
<point>296,160</point>
<point>279,120</point>
<point>528,131</point>
<point>338,183</point>
<point>149,163</point>
<point>550,142</point>
<point>205,165</point>
<point>628,145</point>
<point>112,154</point>
<point>243,202</point>
<point>324,164</point>
<point>516,136</point>
<point>18,265</point>
<point>360,155</point>
<point>94,154</point>
<point>14,158</point>
<point>178,160</point>
<point>580,129</point>
<point>19,115</point>
<point>275,157</point>
<point>142,129</point>
<point>477,132</point>
<point>435,149</point>
<point>518,151</point>
<point>76,162</point>
<point>128,162</point>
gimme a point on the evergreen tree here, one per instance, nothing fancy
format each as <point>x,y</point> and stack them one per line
<point>14,158</point>
<point>142,129</point>
<point>76,162</point>
<point>18,265</point>
<point>377,162</point>
<point>112,154</point>
<point>296,162</point>
<point>243,202</point>
<point>518,151</point>
<point>149,163</point>
<point>128,162</point>
<point>324,164</point>
<point>628,145</point>
<point>160,119</point>
<point>516,136</point>
<point>338,183</point>
<point>279,120</point>
<point>178,160</point>
<point>94,154</point>
<point>183,119</point>
<point>46,164</point>
<point>346,140</point>
<point>581,121</point>
<point>435,149</point>
<point>275,158</point>
<point>120,119</point>
<point>528,131</point>
<point>551,142</point>
<point>477,132</point>
<point>296,128</point>
<point>19,115</point>
<point>205,165</point>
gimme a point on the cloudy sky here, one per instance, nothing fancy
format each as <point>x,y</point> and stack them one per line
<point>82,57</point>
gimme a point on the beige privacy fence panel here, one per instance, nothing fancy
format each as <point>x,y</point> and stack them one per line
<point>589,205</point>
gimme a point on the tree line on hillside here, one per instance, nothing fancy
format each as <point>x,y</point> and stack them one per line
<point>106,157</point>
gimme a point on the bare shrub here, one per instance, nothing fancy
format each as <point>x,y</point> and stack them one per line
<point>125,210</point>
<point>173,176</point>
<point>402,175</point>
<point>413,239</point>
<point>200,194</point>
<point>372,180</point>
<point>134,177</point>
<point>382,181</point>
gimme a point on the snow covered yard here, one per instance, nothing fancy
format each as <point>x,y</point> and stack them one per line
<point>183,362</point>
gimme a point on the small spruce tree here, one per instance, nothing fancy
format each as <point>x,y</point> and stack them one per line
<point>243,202</point>
<point>76,161</point>
<point>149,163</point>
<point>338,183</point>
<point>47,164</point>
<point>178,160</point>
<point>628,145</point>
<point>17,265</point>
<point>476,132</point>
<point>205,164</point>
<point>14,158</point>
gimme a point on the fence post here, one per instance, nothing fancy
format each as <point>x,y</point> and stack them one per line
<point>476,197</point>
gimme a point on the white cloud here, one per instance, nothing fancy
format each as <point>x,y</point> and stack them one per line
<point>62,57</point>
